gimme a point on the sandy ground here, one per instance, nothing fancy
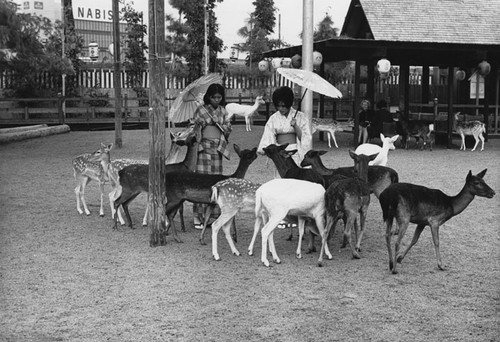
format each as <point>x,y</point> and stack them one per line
<point>68,277</point>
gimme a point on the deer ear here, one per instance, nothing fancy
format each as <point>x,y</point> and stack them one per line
<point>291,152</point>
<point>382,137</point>
<point>284,146</point>
<point>373,156</point>
<point>322,152</point>
<point>469,175</point>
<point>236,149</point>
<point>109,147</point>
<point>482,173</point>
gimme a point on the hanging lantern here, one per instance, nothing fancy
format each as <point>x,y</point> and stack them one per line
<point>484,68</point>
<point>297,61</point>
<point>286,62</point>
<point>460,75</point>
<point>276,62</point>
<point>317,58</point>
<point>263,65</point>
<point>383,66</point>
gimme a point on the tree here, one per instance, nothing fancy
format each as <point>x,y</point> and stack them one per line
<point>33,49</point>
<point>256,33</point>
<point>193,12</point>
<point>135,61</point>
<point>325,29</point>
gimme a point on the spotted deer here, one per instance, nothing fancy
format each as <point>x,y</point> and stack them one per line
<point>330,126</point>
<point>475,128</point>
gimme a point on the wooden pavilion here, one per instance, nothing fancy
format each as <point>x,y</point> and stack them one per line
<point>456,35</point>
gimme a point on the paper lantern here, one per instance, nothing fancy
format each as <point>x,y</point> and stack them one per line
<point>93,51</point>
<point>460,75</point>
<point>276,62</point>
<point>484,68</point>
<point>297,61</point>
<point>286,62</point>
<point>317,58</point>
<point>383,65</point>
<point>263,65</point>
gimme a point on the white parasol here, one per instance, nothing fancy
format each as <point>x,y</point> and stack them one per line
<point>311,81</point>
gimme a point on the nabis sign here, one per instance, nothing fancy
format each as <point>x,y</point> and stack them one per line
<point>87,13</point>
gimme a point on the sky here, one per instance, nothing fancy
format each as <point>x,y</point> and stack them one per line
<point>233,14</point>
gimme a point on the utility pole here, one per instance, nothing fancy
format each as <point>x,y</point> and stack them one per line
<point>205,47</point>
<point>307,55</point>
<point>157,110</point>
<point>117,74</point>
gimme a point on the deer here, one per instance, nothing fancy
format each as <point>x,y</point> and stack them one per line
<point>233,196</point>
<point>419,129</point>
<point>197,188</point>
<point>409,203</point>
<point>475,128</point>
<point>245,110</point>
<point>84,170</point>
<point>288,168</point>
<point>275,200</point>
<point>346,198</point>
<point>382,157</point>
<point>134,178</point>
<point>330,126</point>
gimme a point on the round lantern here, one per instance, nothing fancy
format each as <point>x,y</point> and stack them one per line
<point>383,66</point>
<point>276,63</point>
<point>286,62</point>
<point>297,61</point>
<point>263,65</point>
<point>484,68</point>
<point>317,58</point>
<point>460,75</point>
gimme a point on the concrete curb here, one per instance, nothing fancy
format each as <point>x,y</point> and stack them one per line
<point>29,132</point>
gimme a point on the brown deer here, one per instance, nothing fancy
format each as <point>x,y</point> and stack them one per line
<point>475,128</point>
<point>347,198</point>
<point>408,203</point>
<point>134,179</point>
<point>197,188</point>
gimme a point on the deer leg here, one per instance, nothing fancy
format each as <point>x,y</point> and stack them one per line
<point>388,236</point>
<point>80,196</point>
<point>402,226</point>
<point>462,145</point>
<point>476,142</point>
<point>207,213</point>
<point>125,208</point>
<point>347,233</point>
<point>362,220</point>
<point>170,209</point>
<point>233,226</point>
<point>322,228</point>
<point>267,230</point>
<point>435,239</point>
<point>256,229</point>
<point>223,221</point>
<point>101,190</point>
<point>334,140</point>
<point>301,224</point>
<point>414,240</point>
<point>145,218</point>
<point>482,141</point>
<point>181,214</point>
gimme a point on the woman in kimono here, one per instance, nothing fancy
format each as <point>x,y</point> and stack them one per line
<point>287,125</point>
<point>213,118</point>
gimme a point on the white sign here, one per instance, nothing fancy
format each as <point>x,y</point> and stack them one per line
<point>94,10</point>
<point>474,86</point>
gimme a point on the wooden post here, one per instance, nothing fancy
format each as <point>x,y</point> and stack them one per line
<point>451,75</point>
<point>117,75</point>
<point>357,99</point>
<point>156,196</point>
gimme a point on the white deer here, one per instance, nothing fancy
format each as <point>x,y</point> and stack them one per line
<point>475,128</point>
<point>383,152</point>
<point>244,110</point>
<point>330,126</point>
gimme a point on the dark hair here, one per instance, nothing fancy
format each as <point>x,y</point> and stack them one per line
<point>285,95</point>
<point>213,89</point>
<point>381,104</point>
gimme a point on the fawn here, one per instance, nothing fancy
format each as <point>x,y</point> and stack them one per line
<point>475,128</point>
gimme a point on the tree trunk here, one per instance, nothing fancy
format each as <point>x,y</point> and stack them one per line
<point>156,198</point>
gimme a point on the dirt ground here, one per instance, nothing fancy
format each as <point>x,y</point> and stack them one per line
<point>70,277</point>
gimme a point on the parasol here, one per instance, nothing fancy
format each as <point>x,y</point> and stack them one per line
<point>311,81</point>
<point>191,97</point>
